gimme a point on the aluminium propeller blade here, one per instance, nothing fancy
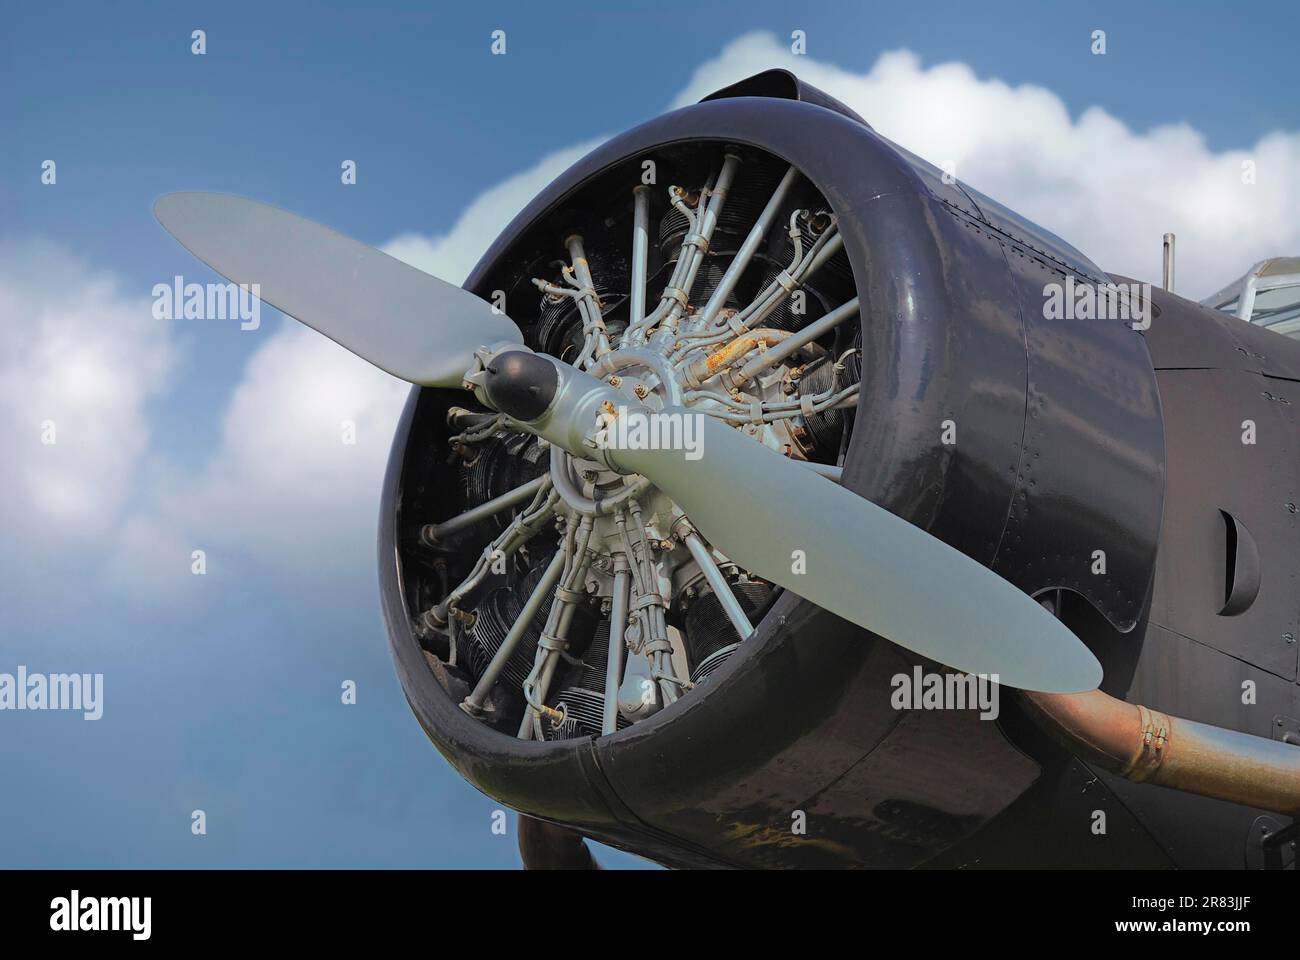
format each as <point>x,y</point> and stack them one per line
<point>404,321</point>
<point>862,562</point>
<point>781,521</point>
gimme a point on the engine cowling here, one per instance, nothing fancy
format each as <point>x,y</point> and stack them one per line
<point>1058,453</point>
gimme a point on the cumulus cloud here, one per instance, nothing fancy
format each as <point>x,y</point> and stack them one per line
<point>1111,191</point>
<point>79,361</point>
<point>452,255</point>
<point>294,479</point>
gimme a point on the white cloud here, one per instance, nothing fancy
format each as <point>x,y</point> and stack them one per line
<point>452,255</point>
<point>1110,191</point>
<point>295,477</point>
<point>79,361</point>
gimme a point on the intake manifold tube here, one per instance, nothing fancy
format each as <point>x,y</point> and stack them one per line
<point>1144,745</point>
<point>707,367</point>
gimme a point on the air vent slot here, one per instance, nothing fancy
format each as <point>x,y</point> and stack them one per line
<point>1241,576</point>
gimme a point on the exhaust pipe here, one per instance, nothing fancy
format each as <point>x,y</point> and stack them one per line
<point>1148,746</point>
<point>548,846</point>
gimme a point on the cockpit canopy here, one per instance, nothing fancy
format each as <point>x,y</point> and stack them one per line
<point>1268,296</point>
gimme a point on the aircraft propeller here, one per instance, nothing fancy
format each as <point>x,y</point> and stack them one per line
<point>767,513</point>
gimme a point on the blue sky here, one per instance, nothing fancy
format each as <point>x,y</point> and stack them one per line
<point>222,692</point>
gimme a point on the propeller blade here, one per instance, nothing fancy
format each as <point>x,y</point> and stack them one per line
<point>404,321</point>
<point>862,562</point>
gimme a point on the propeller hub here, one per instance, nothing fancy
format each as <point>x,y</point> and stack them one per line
<point>520,384</point>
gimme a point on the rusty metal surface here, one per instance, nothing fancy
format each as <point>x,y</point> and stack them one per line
<point>1146,745</point>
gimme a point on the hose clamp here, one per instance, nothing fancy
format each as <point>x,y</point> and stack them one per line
<point>569,596</point>
<point>550,642</point>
